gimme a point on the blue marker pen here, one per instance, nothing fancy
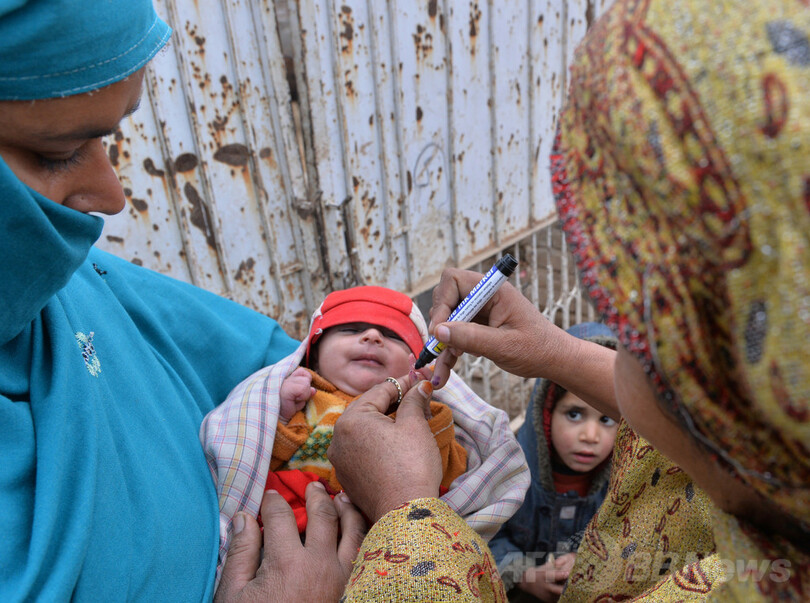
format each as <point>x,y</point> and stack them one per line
<point>472,304</point>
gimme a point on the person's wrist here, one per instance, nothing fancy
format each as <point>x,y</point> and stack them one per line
<point>393,499</point>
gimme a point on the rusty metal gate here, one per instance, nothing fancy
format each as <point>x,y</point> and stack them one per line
<point>286,149</point>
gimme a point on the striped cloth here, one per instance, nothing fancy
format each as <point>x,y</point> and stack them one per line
<point>238,441</point>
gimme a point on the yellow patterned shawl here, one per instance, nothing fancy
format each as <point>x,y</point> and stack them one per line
<point>682,177</point>
<point>653,521</point>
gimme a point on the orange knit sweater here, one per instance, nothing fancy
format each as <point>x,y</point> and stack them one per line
<point>302,443</point>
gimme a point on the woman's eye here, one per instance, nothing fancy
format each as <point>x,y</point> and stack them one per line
<point>59,165</point>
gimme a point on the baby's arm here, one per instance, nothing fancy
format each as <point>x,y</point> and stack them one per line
<point>294,393</point>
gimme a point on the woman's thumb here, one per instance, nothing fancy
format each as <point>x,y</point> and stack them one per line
<point>416,403</point>
<point>467,337</point>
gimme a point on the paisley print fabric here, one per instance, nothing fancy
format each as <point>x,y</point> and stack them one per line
<point>682,179</point>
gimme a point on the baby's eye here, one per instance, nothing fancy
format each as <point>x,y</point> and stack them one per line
<point>392,335</point>
<point>574,415</point>
<point>607,421</point>
<point>349,329</point>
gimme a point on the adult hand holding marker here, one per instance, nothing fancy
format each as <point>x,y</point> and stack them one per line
<point>471,305</point>
<point>509,330</point>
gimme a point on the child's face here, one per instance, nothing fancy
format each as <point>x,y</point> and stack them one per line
<point>357,356</point>
<point>581,436</point>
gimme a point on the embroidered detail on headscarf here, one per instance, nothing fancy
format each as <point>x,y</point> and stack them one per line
<point>91,360</point>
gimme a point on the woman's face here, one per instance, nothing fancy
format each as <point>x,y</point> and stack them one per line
<point>54,145</point>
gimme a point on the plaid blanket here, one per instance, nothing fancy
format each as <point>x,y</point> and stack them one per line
<point>238,437</point>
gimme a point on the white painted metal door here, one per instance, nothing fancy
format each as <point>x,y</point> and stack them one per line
<point>416,136</point>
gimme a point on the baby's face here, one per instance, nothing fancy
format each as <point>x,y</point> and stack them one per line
<point>357,356</point>
<point>582,436</point>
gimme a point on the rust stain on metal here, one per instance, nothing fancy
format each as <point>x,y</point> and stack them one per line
<point>365,231</point>
<point>113,152</point>
<point>139,204</point>
<point>475,18</point>
<point>432,8</point>
<point>423,41</point>
<point>233,154</point>
<point>347,31</point>
<point>150,168</point>
<point>266,153</point>
<point>418,113</point>
<point>410,182</point>
<point>589,14</point>
<point>114,239</point>
<point>245,272</point>
<point>191,30</point>
<point>219,123</point>
<point>185,162</point>
<point>199,214</point>
<point>367,202</point>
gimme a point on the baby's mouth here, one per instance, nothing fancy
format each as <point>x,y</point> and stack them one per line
<point>368,360</point>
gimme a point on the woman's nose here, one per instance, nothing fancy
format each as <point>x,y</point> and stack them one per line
<point>94,186</point>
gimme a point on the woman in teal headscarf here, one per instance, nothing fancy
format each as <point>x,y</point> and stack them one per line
<point>106,369</point>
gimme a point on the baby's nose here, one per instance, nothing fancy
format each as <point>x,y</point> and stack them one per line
<point>371,334</point>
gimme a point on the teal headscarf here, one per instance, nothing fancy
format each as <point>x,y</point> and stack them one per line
<point>44,50</point>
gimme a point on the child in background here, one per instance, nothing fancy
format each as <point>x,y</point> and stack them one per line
<point>568,446</point>
<point>275,427</point>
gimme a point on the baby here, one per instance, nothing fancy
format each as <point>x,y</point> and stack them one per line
<point>359,337</point>
<point>275,427</point>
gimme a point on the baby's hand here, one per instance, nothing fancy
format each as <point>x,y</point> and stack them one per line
<point>426,372</point>
<point>295,391</point>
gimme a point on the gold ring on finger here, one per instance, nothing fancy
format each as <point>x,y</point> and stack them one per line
<point>398,386</point>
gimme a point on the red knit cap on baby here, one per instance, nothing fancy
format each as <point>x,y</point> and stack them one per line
<point>372,305</point>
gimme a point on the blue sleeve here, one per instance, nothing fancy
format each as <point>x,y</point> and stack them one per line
<point>106,371</point>
<point>216,339</point>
